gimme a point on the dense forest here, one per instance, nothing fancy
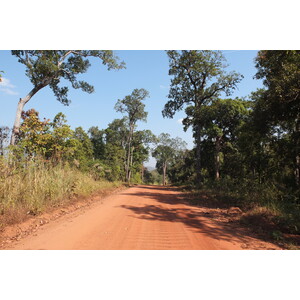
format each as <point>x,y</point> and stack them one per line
<point>245,148</point>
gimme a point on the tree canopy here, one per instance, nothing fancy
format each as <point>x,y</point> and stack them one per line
<point>197,78</point>
<point>134,110</point>
<point>166,150</point>
<point>48,67</point>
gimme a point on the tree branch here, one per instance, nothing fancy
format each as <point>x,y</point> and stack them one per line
<point>63,58</point>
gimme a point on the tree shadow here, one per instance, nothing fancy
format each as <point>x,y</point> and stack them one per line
<point>177,196</point>
<point>192,216</point>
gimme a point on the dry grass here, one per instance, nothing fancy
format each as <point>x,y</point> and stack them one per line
<point>37,187</point>
<point>268,221</point>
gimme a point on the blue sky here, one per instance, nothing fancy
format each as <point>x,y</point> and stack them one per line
<point>144,69</point>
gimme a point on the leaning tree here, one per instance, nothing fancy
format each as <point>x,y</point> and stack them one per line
<point>48,67</point>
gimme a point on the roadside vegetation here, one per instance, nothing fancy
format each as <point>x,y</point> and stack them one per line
<point>40,186</point>
<point>51,163</point>
<point>246,154</point>
<point>247,151</point>
<point>45,163</point>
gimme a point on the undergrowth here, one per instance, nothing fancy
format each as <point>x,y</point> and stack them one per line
<point>35,186</point>
<point>268,209</point>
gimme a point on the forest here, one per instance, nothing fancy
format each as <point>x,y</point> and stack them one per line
<point>246,150</point>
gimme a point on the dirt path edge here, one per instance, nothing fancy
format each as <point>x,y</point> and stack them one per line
<point>18,231</point>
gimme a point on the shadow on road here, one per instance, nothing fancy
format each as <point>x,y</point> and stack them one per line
<point>211,222</point>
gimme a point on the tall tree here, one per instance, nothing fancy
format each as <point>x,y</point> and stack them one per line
<point>166,151</point>
<point>97,138</point>
<point>134,109</point>
<point>141,143</point>
<point>280,103</point>
<point>48,67</point>
<point>84,151</point>
<point>115,136</point>
<point>198,77</point>
<point>220,123</point>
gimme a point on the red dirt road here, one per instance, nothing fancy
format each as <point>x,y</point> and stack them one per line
<point>143,217</point>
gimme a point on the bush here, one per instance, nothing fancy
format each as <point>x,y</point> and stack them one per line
<point>35,185</point>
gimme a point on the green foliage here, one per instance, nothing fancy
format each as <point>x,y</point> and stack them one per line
<point>134,109</point>
<point>34,134</point>
<point>136,178</point>
<point>280,71</point>
<point>48,67</point>
<point>54,140</point>
<point>133,106</point>
<point>251,147</point>
<point>279,105</point>
<point>181,170</point>
<point>247,151</point>
<point>221,123</point>
<point>117,132</point>
<point>166,151</point>
<point>152,177</point>
<point>198,78</point>
<point>84,148</point>
<point>97,139</point>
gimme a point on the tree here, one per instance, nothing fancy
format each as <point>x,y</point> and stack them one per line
<point>84,150</point>
<point>53,141</point>
<point>4,134</point>
<point>166,151</point>
<point>62,145</point>
<point>141,142</point>
<point>280,71</point>
<point>182,169</point>
<point>198,78</point>
<point>220,123</point>
<point>47,68</point>
<point>280,102</point>
<point>133,106</point>
<point>34,137</point>
<point>97,138</point>
<point>1,76</point>
<point>116,133</point>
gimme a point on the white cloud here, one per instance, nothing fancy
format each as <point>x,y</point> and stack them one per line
<point>7,88</point>
<point>180,121</point>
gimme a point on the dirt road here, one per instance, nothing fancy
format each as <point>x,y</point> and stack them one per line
<point>143,217</point>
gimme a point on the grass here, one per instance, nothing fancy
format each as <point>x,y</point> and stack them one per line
<point>267,210</point>
<point>38,186</point>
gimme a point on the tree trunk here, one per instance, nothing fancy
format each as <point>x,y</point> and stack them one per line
<point>21,104</point>
<point>164,173</point>
<point>130,165</point>
<point>297,170</point>
<point>129,154</point>
<point>198,155</point>
<point>297,143</point>
<point>217,158</point>
<point>142,173</point>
